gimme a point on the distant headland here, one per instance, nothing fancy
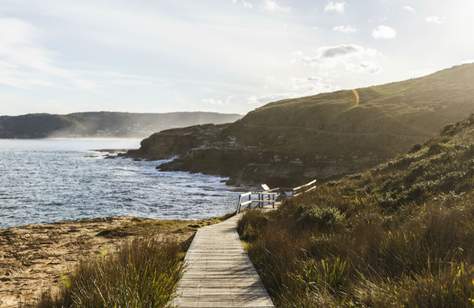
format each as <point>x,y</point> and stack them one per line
<point>103,124</point>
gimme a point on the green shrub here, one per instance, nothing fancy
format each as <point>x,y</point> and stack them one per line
<point>311,256</point>
<point>399,253</point>
<point>249,225</point>
<point>416,148</point>
<point>453,287</point>
<point>330,274</point>
<point>324,219</point>
<point>275,256</point>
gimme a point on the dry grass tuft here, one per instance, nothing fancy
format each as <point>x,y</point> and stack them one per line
<point>143,273</point>
<point>416,257</point>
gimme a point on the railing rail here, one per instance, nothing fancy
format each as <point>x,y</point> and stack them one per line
<point>269,196</point>
<point>259,199</point>
<point>298,191</point>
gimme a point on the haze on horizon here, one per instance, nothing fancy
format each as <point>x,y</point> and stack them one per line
<point>62,56</point>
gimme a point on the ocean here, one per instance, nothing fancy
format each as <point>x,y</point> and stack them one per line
<point>50,180</point>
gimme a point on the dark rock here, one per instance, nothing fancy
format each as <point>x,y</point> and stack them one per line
<point>113,234</point>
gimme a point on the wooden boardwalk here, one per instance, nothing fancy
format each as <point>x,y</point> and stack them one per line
<point>218,271</point>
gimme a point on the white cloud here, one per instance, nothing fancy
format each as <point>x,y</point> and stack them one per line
<point>310,85</point>
<point>301,84</point>
<point>345,57</point>
<point>345,29</point>
<point>409,9</point>
<point>322,73</point>
<point>366,67</point>
<point>384,32</point>
<point>434,20</point>
<point>468,61</point>
<point>336,7</point>
<point>273,6</point>
<point>244,3</point>
<point>218,101</point>
<point>26,63</point>
<point>292,88</point>
<point>17,44</point>
<point>337,51</point>
<point>63,47</point>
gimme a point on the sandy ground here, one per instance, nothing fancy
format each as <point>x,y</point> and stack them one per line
<point>34,258</point>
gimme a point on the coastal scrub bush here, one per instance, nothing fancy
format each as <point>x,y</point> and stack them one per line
<point>247,226</point>
<point>323,219</point>
<point>450,288</point>
<point>330,274</point>
<point>416,255</point>
<point>143,273</point>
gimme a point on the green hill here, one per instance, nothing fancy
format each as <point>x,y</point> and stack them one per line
<point>398,235</point>
<point>103,124</point>
<point>325,135</point>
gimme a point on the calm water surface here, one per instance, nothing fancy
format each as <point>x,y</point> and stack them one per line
<point>60,179</point>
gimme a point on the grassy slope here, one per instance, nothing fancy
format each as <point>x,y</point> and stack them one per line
<point>323,136</point>
<point>399,235</point>
<point>389,119</point>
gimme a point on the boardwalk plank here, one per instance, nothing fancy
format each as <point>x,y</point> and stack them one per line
<point>219,273</point>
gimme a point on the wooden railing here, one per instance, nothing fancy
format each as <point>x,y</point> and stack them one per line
<point>269,196</point>
<point>258,199</point>
<point>298,191</point>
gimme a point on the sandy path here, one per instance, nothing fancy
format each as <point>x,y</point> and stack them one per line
<point>34,258</point>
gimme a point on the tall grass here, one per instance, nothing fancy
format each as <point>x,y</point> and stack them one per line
<point>329,250</point>
<point>143,273</point>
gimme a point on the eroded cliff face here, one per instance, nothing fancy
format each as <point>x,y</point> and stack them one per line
<point>177,142</point>
<point>253,166</point>
<point>215,150</point>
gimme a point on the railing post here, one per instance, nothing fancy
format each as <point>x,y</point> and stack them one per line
<point>238,205</point>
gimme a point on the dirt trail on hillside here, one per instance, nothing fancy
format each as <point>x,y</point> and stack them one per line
<point>356,98</point>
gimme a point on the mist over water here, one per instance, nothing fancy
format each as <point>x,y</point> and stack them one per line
<point>43,181</point>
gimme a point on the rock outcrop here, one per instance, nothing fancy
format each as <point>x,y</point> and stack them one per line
<point>210,149</point>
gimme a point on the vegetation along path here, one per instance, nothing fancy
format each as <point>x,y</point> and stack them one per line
<point>218,271</point>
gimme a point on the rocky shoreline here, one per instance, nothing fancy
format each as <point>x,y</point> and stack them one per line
<point>213,150</point>
<point>37,258</point>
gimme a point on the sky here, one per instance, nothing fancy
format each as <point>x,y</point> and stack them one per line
<point>63,56</point>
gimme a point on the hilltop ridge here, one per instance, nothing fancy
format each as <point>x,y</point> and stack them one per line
<point>321,136</point>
